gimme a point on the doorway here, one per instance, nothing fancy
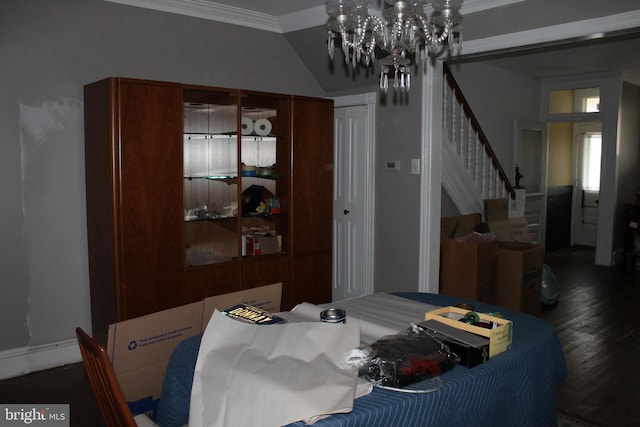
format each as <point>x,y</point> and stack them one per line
<point>573,184</point>
<point>586,175</point>
<point>353,201</point>
<point>575,154</point>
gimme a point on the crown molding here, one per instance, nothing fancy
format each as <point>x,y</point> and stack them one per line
<point>317,16</point>
<point>303,19</point>
<point>283,24</point>
<point>204,9</point>
<point>211,11</point>
<point>589,28</point>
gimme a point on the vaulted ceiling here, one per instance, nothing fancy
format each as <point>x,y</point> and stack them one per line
<point>614,53</point>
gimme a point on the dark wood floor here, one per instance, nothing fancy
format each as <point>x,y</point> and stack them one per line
<point>67,384</point>
<point>597,319</point>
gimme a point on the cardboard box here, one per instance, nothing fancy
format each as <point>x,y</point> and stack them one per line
<point>502,230</point>
<point>500,337</point>
<point>469,269</point>
<point>519,285</point>
<point>496,209</point>
<point>140,348</point>
<point>458,226</point>
<point>520,230</point>
<point>511,230</point>
<point>263,245</point>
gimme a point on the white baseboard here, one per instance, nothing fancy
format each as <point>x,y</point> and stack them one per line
<point>20,361</point>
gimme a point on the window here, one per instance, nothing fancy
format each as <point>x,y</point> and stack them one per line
<point>590,163</point>
<point>585,100</point>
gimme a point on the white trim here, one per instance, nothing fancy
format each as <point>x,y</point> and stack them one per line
<point>303,19</point>
<point>210,10</point>
<point>20,361</point>
<point>472,6</point>
<point>369,100</point>
<point>594,28</point>
<point>430,179</point>
<point>458,183</point>
<point>317,15</point>
<point>294,21</point>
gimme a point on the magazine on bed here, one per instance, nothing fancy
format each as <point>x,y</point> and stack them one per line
<point>250,314</point>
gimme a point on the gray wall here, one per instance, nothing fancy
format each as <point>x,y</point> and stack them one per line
<point>397,209</point>
<point>498,98</point>
<point>49,50</point>
<point>628,157</point>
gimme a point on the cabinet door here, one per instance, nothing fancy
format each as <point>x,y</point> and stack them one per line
<point>264,270</point>
<point>149,294</point>
<point>219,279</point>
<point>265,170</point>
<point>211,229</point>
<point>310,280</point>
<point>312,188</point>
<point>149,176</point>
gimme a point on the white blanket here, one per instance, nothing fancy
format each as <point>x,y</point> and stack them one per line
<point>377,315</point>
<point>271,375</point>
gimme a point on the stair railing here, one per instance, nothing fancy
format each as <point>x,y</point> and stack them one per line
<point>463,131</point>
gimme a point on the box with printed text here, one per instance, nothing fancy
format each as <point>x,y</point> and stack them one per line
<point>140,348</point>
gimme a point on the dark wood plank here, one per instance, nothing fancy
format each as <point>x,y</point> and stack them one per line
<point>596,320</point>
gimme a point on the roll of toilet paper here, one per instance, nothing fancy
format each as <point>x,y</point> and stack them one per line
<point>262,127</point>
<point>247,126</point>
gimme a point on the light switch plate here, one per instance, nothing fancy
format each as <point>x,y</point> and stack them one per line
<point>392,165</point>
<point>415,166</point>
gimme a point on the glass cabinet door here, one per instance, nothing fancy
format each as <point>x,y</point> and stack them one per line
<point>264,169</point>
<point>211,193</point>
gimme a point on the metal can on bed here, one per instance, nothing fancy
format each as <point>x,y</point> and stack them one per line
<point>333,315</point>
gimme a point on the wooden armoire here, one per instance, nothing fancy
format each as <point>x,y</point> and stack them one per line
<point>196,191</point>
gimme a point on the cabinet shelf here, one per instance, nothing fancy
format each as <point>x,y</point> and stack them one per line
<point>201,260</point>
<point>270,176</point>
<point>233,179</point>
<point>229,179</point>
<point>259,215</point>
<point>228,135</point>
<point>257,137</point>
<point>209,218</point>
<point>208,135</point>
<point>262,257</point>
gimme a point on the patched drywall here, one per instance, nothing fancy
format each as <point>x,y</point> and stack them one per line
<point>54,237</point>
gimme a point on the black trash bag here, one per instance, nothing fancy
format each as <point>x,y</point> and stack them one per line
<point>252,197</point>
<point>402,359</point>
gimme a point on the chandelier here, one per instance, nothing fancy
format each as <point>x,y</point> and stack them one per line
<point>403,31</point>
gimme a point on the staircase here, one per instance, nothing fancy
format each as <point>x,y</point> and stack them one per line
<point>471,172</point>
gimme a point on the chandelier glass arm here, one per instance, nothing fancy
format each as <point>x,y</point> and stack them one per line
<point>403,32</point>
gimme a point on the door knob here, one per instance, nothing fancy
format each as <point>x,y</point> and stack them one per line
<point>346,212</point>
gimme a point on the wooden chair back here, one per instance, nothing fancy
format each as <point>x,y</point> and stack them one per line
<point>104,383</point>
